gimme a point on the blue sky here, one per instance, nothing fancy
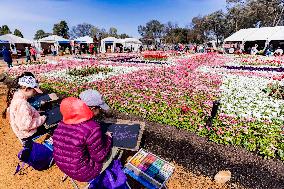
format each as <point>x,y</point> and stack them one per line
<point>125,15</point>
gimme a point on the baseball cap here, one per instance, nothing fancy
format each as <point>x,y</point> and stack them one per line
<point>93,98</point>
<point>29,81</point>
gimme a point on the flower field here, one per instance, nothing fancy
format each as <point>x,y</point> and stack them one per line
<point>181,94</point>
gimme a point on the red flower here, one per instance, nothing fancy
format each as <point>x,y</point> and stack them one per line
<point>185,109</point>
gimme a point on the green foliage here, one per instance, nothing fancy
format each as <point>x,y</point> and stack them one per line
<point>40,34</point>
<point>61,29</point>
<point>5,30</point>
<point>265,138</point>
<point>84,29</point>
<point>151,31</point>
<point>218,25</point>
<point>18,33</point>
<point>86,71</point>
<point>275,90</point>
<point>123,36</point>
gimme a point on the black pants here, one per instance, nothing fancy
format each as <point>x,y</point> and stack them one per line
<point>9,64</point>
<point>34,57</point>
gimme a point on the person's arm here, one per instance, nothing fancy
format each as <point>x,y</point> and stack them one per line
<point>26,120</point>
<point>98,148</point>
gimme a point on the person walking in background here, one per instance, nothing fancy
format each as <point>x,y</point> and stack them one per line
<point>83,49</point>
<point>7,56</point>
<point>91,49</point>
<point>53,50</point>
<point>28,55</point>
<point>14,52</point>
<point>33,53</point>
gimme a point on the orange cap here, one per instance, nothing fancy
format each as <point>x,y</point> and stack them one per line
<point>75,111</point>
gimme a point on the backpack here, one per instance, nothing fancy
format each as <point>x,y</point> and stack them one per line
<point>112,178</point>
<point>40,157</point>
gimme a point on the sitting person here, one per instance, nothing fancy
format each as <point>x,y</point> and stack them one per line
<point>94,100</point>
<point>12,87</point>
<point>24,119</point>
<point>80,147</point>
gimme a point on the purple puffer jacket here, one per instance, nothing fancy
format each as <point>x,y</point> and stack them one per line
<point>80,150</point>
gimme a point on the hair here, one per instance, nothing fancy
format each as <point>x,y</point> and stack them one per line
<point>12,88</point>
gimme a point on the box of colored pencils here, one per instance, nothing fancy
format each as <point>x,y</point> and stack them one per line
<point>151,168</point>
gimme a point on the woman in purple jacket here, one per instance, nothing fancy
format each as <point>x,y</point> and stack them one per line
<point>80,148</point>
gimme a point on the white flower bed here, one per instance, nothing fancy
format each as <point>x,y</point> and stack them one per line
<point>243,96</point>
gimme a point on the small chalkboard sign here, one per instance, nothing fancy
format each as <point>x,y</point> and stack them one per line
<point>53,116</point>
<point>126,134</point>
<point>36,100</point>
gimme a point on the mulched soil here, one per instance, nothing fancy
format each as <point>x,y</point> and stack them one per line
<point>196,161</point>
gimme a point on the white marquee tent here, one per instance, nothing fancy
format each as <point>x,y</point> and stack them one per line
<point>109,42</point>
<point>12,39</point>
<point>257,34</point>
<point>2,41</point>
<point>53,39</point>
<point>132,42</point>
<point>112,42</point>
<point>85,39</point>
<point>279,35</point>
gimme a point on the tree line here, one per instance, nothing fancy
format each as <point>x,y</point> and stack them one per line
<point>62,29</point>
<point>6,30</point>
<point>218,25</point>
<point>80,30</point>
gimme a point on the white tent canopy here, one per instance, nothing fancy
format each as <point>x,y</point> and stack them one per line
<point>132,40</point>
<point>85,39</point>
<point>240,35</point>
<point>110,39</point>
<point>53,39</point>
<point>257,34</point>
<point>14,39</point>
<point>127,42</point>
<point>279,35</point>
<point>261,34</point>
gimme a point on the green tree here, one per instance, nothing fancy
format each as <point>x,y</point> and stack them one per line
<point>84,29</point>
<point>61,29</point>
<point>215,24</point>
<point>103,33</point>
<point>95,32</point>
<point>123,36</point>
<point>152,31</point>
<point>175,34</point>
<point>40,34</point>
<point>5,30</point>
<point>18,33</point>
<point>197,33</point>
<point>112,32</point>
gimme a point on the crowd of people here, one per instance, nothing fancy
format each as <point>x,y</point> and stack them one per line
<point>255,49</point>
<point>81,149</point>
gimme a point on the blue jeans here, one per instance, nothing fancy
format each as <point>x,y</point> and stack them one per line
<point>28,58</point>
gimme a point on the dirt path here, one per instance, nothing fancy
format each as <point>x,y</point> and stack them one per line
<point>51,179</point>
